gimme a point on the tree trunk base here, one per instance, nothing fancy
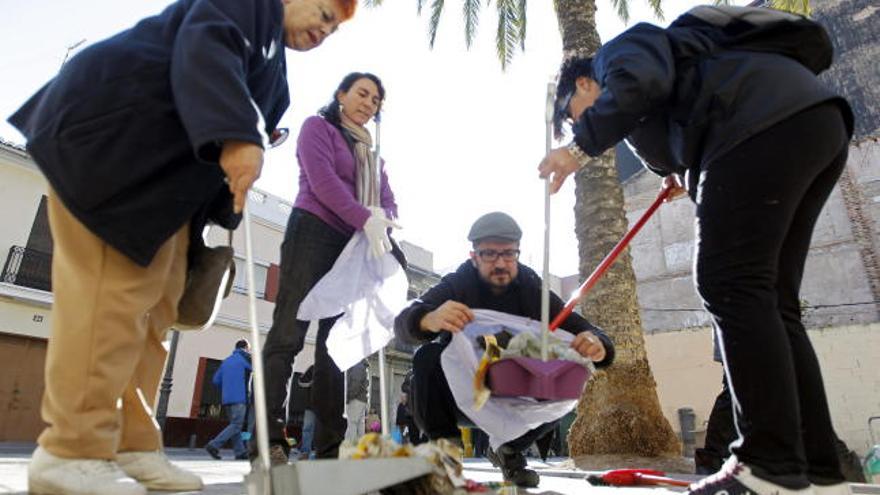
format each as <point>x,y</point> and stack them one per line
<point>622,416</point>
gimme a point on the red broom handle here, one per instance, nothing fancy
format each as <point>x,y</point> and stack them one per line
<point>606,263</point>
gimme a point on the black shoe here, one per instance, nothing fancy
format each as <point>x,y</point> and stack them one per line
<point>213,451</point>
<point>513,467</point>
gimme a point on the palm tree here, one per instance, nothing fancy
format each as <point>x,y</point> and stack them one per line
<point>621,412</point>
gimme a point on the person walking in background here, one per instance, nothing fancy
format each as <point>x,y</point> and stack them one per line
<point>357,398</point>
<point>143,138</point>
<point>308,423</point>
<point>409,431</point>
<point>232,377</point>
<point>338,195</point>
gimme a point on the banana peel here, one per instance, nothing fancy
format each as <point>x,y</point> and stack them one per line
<point>490,355</point>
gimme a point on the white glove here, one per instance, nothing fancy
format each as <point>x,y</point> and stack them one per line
<point>376,230</point>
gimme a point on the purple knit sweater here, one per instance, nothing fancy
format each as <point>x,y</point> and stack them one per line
<point>327,178</point>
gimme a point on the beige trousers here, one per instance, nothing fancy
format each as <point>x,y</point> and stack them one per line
<point>105,357</point>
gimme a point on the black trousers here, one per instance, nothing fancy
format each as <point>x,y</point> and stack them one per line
<point>756,209</point>
<point>308,252</point>
<point>720,433</point>
<point>433,406</point>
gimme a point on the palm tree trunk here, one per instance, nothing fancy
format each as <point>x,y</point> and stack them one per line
<point>619,412</point>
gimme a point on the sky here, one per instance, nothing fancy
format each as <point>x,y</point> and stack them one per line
<point>460,137</point>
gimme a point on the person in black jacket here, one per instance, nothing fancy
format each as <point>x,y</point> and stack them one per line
<point>143,137</point>
<point>729,96</point>
<point>491,279</point>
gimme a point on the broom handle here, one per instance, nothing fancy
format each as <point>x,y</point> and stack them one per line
<point>650,479</point>
<point>383,383</point>
<point>262,426</point>
<point>545,278</point>
<point>609,259</point>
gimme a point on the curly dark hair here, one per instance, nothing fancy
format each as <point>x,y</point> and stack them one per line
<point>330,111</point>
<point>571,69</point>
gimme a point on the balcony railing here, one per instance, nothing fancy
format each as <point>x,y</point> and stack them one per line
<point>28,268</point>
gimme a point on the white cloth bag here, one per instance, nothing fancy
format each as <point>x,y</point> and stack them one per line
<point>369,291</point>
<point>502,418</point>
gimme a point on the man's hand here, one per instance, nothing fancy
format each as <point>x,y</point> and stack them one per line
<point>673,182</point>
<point>451,316</point>
<point>589,346</point>
<point>242,162</point>
<point>558,164</point>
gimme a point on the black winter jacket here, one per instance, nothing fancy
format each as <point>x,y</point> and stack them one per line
<point>128,133</point>
<point>681,99</point>
<point>464,286</point>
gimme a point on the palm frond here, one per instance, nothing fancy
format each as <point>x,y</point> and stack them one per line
<point>622,7</point>
<point>372,3</point>
<point>657,8</point>
<point>521,25</point>
<point>434,23</point>
<point>419,5</point>
<point>471,20</point>
<point>506,36</point>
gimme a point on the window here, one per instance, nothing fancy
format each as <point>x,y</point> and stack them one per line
<point>240,283</point>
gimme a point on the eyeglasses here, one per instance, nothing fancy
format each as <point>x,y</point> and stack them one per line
<point>491,255</point>
<point>562,107</point>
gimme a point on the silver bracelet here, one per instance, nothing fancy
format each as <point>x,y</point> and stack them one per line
<point>578,154</point>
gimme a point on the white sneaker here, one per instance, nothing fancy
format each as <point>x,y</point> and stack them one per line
<point>155,471</point>
<point>51,475</point>
<point>736,478</point>
<point>842,488</point>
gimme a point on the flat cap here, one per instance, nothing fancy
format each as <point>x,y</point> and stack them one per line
<point>495,225</point>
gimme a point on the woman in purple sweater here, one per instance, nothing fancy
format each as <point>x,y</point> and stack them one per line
<point>338,195</point>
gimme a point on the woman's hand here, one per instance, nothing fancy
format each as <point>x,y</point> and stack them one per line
<point>589,346</point>
<point>376,231</point>
<point>558,164</point>
<point>242,162</point>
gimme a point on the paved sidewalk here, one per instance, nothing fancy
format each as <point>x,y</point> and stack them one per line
<point>225,477</point>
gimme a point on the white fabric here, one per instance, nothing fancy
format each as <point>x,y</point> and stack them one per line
<point>502,418</point>
<point>369,291</point>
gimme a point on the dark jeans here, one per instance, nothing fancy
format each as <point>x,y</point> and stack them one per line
<point>433,406</point>
<point>232,433</point>
<point>756,209</point>
<point>308,252</point>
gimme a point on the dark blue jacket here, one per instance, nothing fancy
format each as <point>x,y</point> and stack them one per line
<point>128,133</point>
<point>232,377</point>
<point>682,97</point>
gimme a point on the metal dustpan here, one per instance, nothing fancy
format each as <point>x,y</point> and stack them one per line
<point>544,378</point>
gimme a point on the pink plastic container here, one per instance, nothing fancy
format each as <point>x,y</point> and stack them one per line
<point>547,380</point>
